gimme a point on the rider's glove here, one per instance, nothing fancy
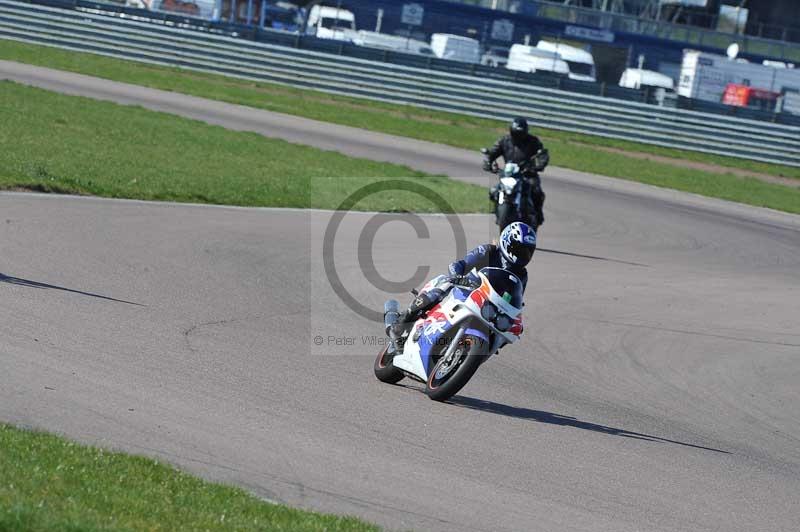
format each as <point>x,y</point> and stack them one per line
<point>462,280</point>
<point>452,279</point>
<point>541,160</point>
<point>487,165</point>
<point>456,279</point>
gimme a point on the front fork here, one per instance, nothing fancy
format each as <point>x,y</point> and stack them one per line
<point>454,343</point>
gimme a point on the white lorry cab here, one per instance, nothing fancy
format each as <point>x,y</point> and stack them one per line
<point>580,62</point>
<point>635,78</point>
<point>328,22</point>
<point>524,58</point>
<point>456,48</point>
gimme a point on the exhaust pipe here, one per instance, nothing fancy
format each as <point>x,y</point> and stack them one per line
<point>391,313</point>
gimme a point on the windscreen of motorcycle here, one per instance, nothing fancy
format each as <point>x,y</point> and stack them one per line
<point>506,284</point>
<point>510,169</point>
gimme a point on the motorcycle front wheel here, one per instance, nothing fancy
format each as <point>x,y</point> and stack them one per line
<point>505,215</point>
<point>384,370</point>
<point>452,373</point>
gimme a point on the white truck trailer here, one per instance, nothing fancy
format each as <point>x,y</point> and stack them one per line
<point>706,76</point>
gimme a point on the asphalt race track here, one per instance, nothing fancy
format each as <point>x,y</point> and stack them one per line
<point>657,386</point>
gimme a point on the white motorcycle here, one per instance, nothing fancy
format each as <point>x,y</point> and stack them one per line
<point>445,346</point>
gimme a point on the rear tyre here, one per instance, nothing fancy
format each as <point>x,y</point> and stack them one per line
<point>384,370</point>
<point>459,370</point>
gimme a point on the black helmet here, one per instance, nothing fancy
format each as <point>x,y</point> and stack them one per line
<point>519,128</point>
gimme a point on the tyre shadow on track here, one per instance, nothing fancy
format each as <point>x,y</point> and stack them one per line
<point>35,284</point>
<point>564,421</point>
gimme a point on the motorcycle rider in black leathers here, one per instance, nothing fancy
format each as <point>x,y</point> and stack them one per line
<point>520,146</point>
<point>513,253</point>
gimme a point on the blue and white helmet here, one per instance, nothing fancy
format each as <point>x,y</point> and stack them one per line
<point>517,244</point>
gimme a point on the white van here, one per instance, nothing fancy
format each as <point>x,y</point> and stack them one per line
<point>456,48</point>
<point>634,78</point>
<point>524,58</point>
<point>328,22</point>
<point>581,62</point>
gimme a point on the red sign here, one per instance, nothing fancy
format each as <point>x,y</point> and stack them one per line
<point>744,96</point>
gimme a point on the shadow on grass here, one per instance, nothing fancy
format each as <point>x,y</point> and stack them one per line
<point>35,284</point>
<point>564,421</point>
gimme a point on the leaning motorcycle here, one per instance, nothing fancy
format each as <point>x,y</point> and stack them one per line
<point>445,346</point>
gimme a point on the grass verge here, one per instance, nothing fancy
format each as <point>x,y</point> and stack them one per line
<point>50,483</point>
<point>57,143</point>
<point>580,152</point>
<point>570,150</point>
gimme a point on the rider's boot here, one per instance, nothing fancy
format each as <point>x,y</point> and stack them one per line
<point>421,303</point>
<point>391,312</point>
<point>391,315</point>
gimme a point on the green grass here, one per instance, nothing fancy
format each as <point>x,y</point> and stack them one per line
<point>449,128</point>
<point>249,182</point>
<point>58,143</point>
<point>50,483</point>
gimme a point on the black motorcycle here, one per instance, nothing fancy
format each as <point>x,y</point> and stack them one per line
<point>511,195</point>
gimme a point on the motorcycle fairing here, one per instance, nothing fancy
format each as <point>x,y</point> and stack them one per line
<point>509,184</point>
<point>432,329</point>
<point>478,297</point>
<point>484,293</point>
<point>430,332</point>
<point>461,310</point>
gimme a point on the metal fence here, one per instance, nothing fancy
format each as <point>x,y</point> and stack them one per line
<point>309,42</point>
<point>206,51</point>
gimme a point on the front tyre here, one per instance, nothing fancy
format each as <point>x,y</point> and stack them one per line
<point>505,215</point>
<point>451,374</point>
<point>533,221</point>
<point>384,370</point>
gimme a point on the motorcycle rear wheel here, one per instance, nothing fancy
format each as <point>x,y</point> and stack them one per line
<point>444,387</point>
<point>384,370</point>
